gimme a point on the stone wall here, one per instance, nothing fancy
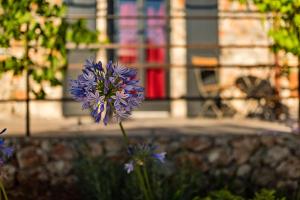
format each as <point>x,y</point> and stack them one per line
<point>14,87</point>
<point>267,160</point>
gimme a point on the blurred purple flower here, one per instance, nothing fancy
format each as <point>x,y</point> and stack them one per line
<point>141,149</point>
<point>5,151</point>
<point>160,156</point>
<point>129,167</point>
<point>140,153</point>
<point>112,91</point>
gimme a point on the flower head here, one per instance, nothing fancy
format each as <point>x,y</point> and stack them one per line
<point>141,149</point>
<point>142,153</point>
<point>5,151</point>
<point>110,91</point>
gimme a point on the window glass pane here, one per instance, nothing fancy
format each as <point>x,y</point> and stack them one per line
<point>127,31</point>
<point>156,35</point>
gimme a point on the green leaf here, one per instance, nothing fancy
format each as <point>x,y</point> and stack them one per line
<point>297,20</point>
<point>224,195</point>
<point>40,94</point>
<point>266,195</point>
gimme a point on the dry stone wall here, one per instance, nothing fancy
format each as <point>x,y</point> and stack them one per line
<point>266,160</point>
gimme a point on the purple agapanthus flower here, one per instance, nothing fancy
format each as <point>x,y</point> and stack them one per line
<point>146,150</point>
<point>111,91</point>
<point>142,152</point>
<point>5,151</point>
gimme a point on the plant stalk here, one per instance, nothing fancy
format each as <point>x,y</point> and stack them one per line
<point>145,172</point>
<point>3,193</point>
<point>125,137</point>
<point>142,183</point>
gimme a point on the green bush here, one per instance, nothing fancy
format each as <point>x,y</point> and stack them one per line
<point>285,30</point>
<point>266,195</point>
<point>223,195</point>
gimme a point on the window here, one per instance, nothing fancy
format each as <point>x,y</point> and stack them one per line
<point>142,40</point>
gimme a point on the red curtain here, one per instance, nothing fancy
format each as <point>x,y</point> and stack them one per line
<point>155,85</point>
<point>155,77</point>
<point>127,59</point>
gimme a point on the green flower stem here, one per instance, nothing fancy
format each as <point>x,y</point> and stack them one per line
<point>142,183</point>
<point>3,193</point>
<point>143,178</point>
<point>124,134</point>
<point>145,172</point>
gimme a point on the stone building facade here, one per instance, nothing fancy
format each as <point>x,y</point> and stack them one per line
<point>253,31</point>
<point>230,28</point>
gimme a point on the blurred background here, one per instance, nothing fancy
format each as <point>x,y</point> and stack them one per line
<point>217,62</point>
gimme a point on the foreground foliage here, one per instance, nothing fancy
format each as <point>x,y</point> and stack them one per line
<point>104,179</point>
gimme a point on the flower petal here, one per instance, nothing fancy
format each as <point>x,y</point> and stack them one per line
<point>129,167</point>
<point>160,156</point>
